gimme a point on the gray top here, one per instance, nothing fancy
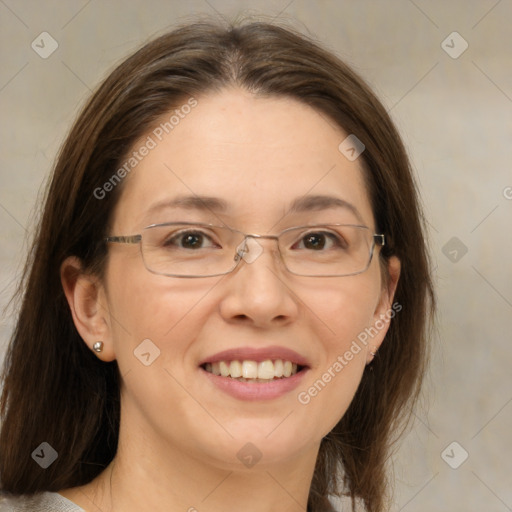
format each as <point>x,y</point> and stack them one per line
<point>40,502</point>
<point>54,502</point>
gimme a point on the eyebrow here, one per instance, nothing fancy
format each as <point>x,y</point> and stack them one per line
<point>216,205</point>
<point>322,202</point>
<point>201,203</point>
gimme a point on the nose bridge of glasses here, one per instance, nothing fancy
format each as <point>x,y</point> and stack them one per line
<point>250,248</point>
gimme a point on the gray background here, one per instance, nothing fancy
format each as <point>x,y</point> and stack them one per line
<point>455,116</point>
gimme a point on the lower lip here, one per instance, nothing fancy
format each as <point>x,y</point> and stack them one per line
<point>256,390</point>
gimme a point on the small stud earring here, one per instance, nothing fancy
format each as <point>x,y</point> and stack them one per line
<point>98,346</point>
<point>373,352</point>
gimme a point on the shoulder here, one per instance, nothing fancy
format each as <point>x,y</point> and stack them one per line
<point>39,502</point>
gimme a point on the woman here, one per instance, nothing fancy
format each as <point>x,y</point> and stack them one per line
<point>226,303</point>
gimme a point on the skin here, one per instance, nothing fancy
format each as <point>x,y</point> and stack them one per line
<point>179,435</point>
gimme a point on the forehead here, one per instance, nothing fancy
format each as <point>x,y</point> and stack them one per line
<point>258,155</point>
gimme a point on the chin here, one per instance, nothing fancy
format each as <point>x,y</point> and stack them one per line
<point>268,442</point>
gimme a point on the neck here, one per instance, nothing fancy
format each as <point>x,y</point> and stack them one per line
<point>148,475</point>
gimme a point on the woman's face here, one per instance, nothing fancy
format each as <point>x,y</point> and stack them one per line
<point>258,156</point>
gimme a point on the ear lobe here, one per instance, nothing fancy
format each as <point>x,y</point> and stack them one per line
<point>87,302</point>
<point>385,309</point>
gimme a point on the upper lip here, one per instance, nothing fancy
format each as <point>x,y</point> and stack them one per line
<point>257,354</point>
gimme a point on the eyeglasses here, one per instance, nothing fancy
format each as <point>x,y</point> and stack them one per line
<point>188,249</point>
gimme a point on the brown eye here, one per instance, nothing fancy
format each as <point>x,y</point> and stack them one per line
<point>189,240</point>
<point>319,241</point>
<point>314,241</point>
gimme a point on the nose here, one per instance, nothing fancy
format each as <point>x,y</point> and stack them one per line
<point>258,291</point>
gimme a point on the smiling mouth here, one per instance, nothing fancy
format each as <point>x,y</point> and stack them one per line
<point>253,371</point>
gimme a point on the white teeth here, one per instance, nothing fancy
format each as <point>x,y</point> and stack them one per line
<point>287,370</point>
<point>235,369</point>
<point>253,371</point>
<point>250,369</point>
<point>224,368</point>
<point>266,370</point>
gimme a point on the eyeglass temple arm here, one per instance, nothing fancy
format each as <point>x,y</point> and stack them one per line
<point>379,239</point>
<point>133,239</point>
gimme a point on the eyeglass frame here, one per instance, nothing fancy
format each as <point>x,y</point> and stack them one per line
<point>377,239</point>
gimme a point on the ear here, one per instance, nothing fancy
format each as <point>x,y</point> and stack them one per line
<point>89,308</point>
<point>385,309</point>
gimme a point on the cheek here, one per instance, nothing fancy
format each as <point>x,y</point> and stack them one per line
<point>342,315</point>
<point>145,306</point>
<point>343,309</point>
<point>156,322</point>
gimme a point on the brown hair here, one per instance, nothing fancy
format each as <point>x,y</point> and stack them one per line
<point>56,390</point>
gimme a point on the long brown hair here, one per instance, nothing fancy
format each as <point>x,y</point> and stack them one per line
<point>56,391</point>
